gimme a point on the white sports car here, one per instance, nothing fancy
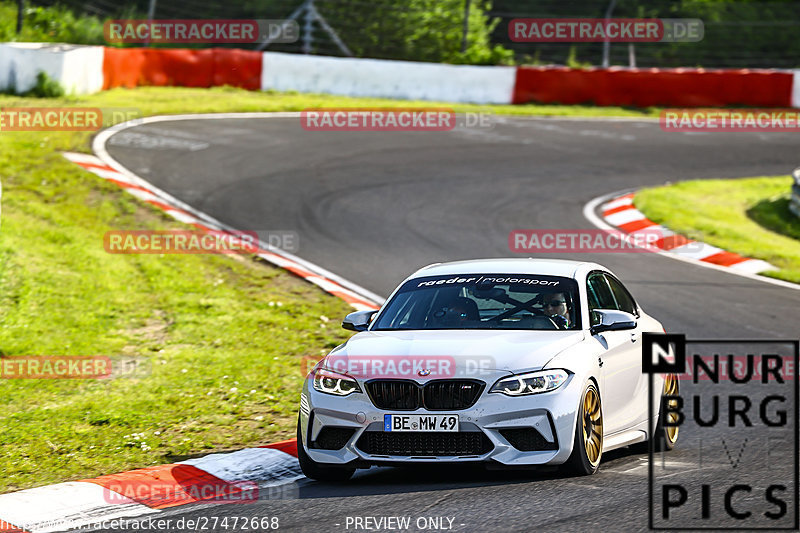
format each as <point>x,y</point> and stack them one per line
<point>515,362</point>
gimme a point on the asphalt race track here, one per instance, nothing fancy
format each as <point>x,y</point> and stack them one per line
<point>373,207</point>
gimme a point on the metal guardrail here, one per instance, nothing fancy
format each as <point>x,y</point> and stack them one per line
<point>794,204</point>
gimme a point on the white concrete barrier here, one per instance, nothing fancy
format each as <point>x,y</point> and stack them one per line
<point>404,80</point>
<point>794,202</point>
<point>79,69</point>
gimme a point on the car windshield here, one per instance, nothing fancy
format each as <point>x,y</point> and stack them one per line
<point>483,301</point>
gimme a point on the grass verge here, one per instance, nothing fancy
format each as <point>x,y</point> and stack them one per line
<point>748,216</point>
<point>173,100</point>
<point>224,338</point>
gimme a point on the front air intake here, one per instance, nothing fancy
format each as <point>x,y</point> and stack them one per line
<point>424,444</point>
<point>527,440</point>
<point>331,438</point>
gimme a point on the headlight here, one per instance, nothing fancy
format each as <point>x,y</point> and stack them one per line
<point>334,383</point>
<point>532,383</point>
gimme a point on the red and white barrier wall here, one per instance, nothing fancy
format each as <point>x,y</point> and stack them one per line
<point>208,67</point>
<point>796,89</point>
<point>77,68</point>
<point>87,69</point>
<point>679,87</point>
<point>404,80</point>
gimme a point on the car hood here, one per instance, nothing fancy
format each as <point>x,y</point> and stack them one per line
<point>375,353</point>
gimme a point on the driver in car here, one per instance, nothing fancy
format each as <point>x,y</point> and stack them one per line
<point>555,306</point>
<point>460,313</point>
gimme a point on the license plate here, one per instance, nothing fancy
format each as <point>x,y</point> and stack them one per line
<point>444,423</point>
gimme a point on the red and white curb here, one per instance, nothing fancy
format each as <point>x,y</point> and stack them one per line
<point>90,502</point>
<point>179,211</point>
<point>620,213</point>
<point>616,212</point>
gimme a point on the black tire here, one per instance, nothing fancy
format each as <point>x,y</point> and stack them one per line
<point>590,419</point>
<point>317,471</point>
<point>664,438</point>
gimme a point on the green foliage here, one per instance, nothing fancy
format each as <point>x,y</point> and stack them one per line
<point>572,59</point>
<point>46,87</point>
<point>49,25</point>
<point>416,30</point>
<point>738,33</point>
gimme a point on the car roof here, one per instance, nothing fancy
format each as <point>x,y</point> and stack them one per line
<point>544,267</point>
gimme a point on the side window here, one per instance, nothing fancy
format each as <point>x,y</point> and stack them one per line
<point>600,296</point>
<point>411,312</point>
<point>593,302</point>
<point>624,299</point>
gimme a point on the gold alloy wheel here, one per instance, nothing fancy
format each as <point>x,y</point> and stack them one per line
<point>671,389</point>
<point>592,426</point>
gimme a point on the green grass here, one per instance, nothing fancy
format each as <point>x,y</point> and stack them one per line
<point>225,337</point>
<point>748,216</point>
<point>172,100</point>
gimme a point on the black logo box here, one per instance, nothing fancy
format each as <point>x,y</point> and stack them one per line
<point>675,346</point>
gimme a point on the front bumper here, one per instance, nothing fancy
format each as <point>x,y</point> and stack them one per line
<point>495,416</point>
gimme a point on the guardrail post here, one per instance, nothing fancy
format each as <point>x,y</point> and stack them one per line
<point>606,43</point>
<point>466,26</point>
<point>20,15</point>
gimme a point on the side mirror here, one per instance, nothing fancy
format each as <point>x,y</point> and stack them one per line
<point>611,320</point>
<point>359,320</point>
